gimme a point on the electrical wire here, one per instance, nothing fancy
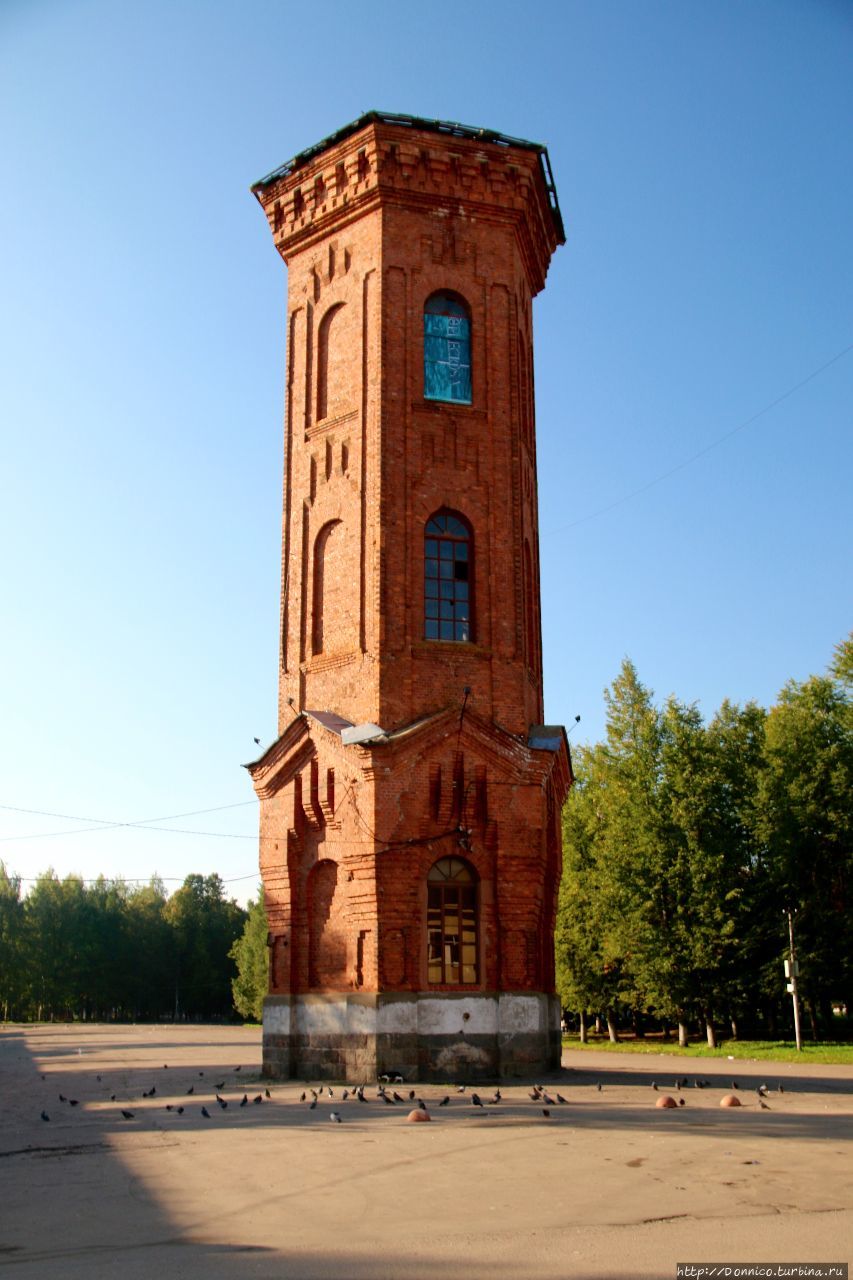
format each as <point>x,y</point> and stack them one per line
<point>694,457</point>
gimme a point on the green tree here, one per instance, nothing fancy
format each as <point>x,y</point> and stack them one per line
<point>11,944</point>
<point>806,820</point>
<point>204,928</point>
<point>250,954</point>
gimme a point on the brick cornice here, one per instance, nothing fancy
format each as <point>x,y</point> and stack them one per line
<point>383,165</point>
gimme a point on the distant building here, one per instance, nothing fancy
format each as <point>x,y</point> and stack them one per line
<point>410,809</point>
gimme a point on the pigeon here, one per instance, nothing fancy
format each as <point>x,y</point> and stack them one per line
<point>269,1095</point>
<point>180,1110</point>
<point>258,1099</point>
<point>493,1102</point>
<point>763,1104</point>
<point>165,1066</point>
<point>304,1096</point>
<point>422,1104</point>
<point>498,1095</point>
<point>257,742</point>
<point>98,1078</point>
<point>476,1100</point>
<point>678,1085</point>
<point>312,1104</point>
<point>62,1098</point>
<point>45,1116</point>
<point>547,1099</point>
<point>344,1095</point>
<point>411,1095</point>
<point>245,1100</point>
<point>534,1095</point>
<point>681,1102</point>
<point>654,1086</point>
<point>201,1073</point>
<point>397,1097</point>
<point>73,1102</point>
<point>330,1091</point>
<point>389,1102</point>
<point>221,1085</point>
<point>112,1097</point>
<point>205,1113</point>
<point>169,1106</point>
<point>546,1113</point>
<point>128,1115</point>
<point>223,1104</point>
<point>333,1116</point>
<point>444,1101</point>
<point>191,1090</point>
<point>598,1086</point>
<point>781,1088</point>
<point>238,1068</point>
<point>560,1098</point>
<point>361,1097</point>
<point>734,1084</point>
<point>460,1088</point>
<point>762,1091</point>
<point>152,1091</point>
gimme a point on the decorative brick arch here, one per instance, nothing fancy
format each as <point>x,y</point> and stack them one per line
<point>327,942</point>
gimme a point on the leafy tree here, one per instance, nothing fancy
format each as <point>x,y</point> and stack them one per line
<point>11,943</point>
<point>806,819</point>
<point>205,926</point>
<point>250,955</point>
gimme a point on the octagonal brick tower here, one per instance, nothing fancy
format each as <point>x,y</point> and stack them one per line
<point>410,807</point>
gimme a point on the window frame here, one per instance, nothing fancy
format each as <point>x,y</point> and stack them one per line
<point>439,889</point>
<point>448,594</point>
<point>457,308</point>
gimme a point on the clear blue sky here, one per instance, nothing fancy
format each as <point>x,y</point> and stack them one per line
<point>702,157</point>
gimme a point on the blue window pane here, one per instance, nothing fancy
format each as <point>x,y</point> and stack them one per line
<point>447,608</point>
<point>461,547</point>
<point>462,591</point>
<point>447,592</point>
<point>431,630</point>
<point>431,608</point>
<point>447,357</point>
<point>446,568</point>
<point>432,546</point>
<point>446,550</point>
<point>431,589</point>
<point>447,631</point>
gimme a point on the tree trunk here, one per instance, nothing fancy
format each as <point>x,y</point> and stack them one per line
<point>733,1021</point>
<point>709,1031</point>
<point>611,1027</point>
<point>667,1035</point>
<point>598,1024</point>
<point>812,1020</point>
<point>582,1027</point>
<point>683,1035</point>
<point>637,1019</point>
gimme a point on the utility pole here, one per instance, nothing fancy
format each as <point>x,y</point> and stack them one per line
<point>791,971</point>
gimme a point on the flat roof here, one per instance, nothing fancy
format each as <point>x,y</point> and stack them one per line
<point>448,128</point>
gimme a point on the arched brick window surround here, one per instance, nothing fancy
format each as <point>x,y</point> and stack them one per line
<point>447,348</point>
<point>453,919</point>
<point>448,577</point>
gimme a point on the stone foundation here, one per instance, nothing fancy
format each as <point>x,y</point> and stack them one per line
<point>421,1036</point>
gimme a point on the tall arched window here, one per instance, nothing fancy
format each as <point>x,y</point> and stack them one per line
<point>448,578</point>
<point>452,923</point>
<point>447,349</point>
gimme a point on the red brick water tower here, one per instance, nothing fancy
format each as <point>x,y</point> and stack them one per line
<point>410,808</point>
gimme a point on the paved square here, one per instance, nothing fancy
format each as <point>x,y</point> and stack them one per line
<point>608,1186</point>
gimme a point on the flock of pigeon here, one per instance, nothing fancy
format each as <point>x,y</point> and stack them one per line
<point>179,1109</point>
<point>390,1097</point>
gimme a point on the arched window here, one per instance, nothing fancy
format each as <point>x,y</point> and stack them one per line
<point>327,550</point>
<point>452,923</point>
<point>448,578</point>
<point>326,353</point>
<point>447,349</point>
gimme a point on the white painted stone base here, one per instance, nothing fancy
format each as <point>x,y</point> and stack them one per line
<point>422,1035</point>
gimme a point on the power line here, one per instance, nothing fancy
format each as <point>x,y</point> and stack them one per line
<point>694,457</point>
<point>107,824</point>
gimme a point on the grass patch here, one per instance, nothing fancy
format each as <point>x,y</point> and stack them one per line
<point>830,1052</point>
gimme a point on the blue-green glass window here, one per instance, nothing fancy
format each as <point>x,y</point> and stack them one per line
<point>448,579</point>
<point>447,350</point>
